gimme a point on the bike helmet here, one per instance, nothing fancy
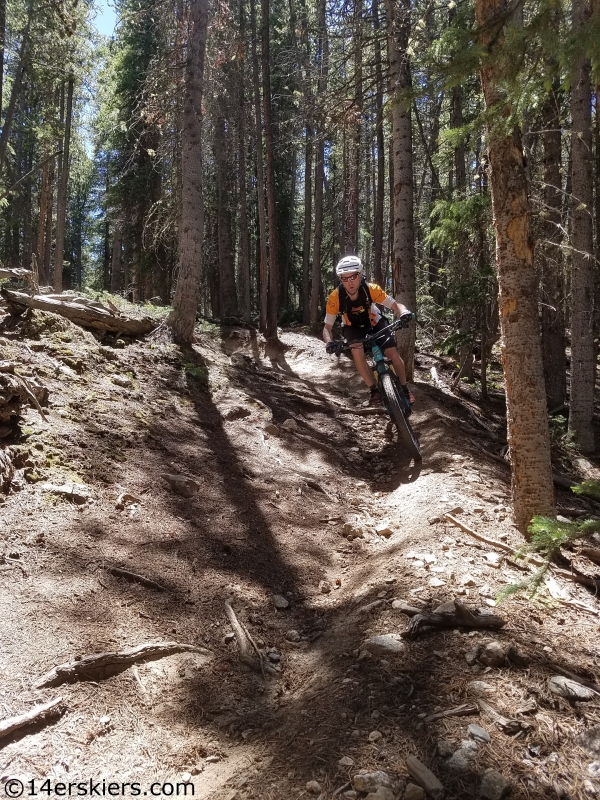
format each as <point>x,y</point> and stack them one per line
<point>349,264</point>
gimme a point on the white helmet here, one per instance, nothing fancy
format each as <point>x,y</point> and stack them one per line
<point>349,264</point>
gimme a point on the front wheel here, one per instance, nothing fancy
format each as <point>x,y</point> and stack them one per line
<point>394,405</point>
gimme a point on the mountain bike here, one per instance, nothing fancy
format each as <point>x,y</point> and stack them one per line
<point>394,400</point>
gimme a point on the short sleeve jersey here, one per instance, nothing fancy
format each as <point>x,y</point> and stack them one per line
<point>361,316</point>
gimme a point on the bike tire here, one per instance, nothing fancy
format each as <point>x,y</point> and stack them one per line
<point>394,406</point>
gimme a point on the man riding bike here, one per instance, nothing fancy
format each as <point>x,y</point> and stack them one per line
<point>355,300</point>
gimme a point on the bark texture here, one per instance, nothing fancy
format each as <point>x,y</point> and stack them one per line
<point>191,227</point>
<point>528,436</point>
<point>403,258</point>
<point>583,367</point>
<point>551,263</point>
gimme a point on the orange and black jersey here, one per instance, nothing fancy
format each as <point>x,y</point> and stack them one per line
<point>359,313</point>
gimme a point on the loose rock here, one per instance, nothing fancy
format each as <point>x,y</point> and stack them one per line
<point>424,777</point>
<point>590,741</point>
<point>493,655</point>
<point>292,636</point>
<point>493,559</point>
<point>352,531</point>
<point>289,424</point>
<point>384,530</point>
<point>478,733</point>
<point>280,602</point>
<point>186,487</point>
<point>76,492</point>
<point>479,688</point>
<point>372,781</point>
<point>375,736</point>
<point>384,645</point>
<point>471,656</point>
<point>444,748</point>
<point>494,786</point>
<point>414,792</point>
<point>381,794</point>
<point>314,787</point>
<point>565,687</point>
<point>324,587</point>
<point>460,760</point>
<point>346,761</point>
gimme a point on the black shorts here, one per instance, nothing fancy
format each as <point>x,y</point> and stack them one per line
<point>384,341</point>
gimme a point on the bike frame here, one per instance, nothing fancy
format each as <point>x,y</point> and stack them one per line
<point>382,368</point>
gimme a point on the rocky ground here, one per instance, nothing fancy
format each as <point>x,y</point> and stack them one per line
<point>225,474</point>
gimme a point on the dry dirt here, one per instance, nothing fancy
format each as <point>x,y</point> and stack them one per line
<point>267,518</point>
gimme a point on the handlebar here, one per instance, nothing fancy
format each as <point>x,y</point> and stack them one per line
<point>402,322</point>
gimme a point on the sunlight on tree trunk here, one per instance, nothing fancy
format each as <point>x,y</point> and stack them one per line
<point>528,435</point>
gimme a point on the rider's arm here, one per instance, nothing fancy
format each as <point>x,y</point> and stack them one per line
<point>379,296</point>
<point>327,333</point>
<point>397,308</point>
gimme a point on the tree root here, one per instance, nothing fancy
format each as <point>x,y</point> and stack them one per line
<point>243,640</point>
<point>460,617</point>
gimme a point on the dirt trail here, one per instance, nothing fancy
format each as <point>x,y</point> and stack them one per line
<point>267,519</point>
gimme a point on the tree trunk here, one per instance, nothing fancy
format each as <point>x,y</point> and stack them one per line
<point>583,366</point>
<point>528,436</point>
<point>229,306</point>
<point>380,186</point>
<point>116,274</point>
<point>191,225</point>
<point>322,62</point>
<point>273,303</point>
<point>403,260</point>
<point>260,180</point>
<point>22,63</point>
<point>61,198</point>
<point>244,253</point>
<point>2,43</point>
<point>45,203</point>
<point>551,263</point>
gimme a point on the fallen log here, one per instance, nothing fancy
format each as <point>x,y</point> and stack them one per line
<point>84,314</point>
<point>460,617</point>
<point>102,665</point>
<point>16,274</point>
<point>46,713</point>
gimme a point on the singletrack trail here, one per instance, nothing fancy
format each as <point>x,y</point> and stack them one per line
<point>294,501</point>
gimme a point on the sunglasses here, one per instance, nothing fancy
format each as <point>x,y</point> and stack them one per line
<point>350,277</point>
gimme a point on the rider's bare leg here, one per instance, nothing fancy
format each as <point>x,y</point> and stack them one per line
<point>399,368</point>
<point>360,361</point>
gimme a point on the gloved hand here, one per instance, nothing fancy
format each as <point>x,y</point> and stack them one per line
<point>406,318</point>
<point>331,348</point>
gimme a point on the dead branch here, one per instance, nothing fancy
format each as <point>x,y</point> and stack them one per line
<point>86,314</point>
<point>242,638</point>
<point>492,542</point>
<point>593,553</point>
<point>46,713</point>
<point>508,726</point>
<point>465,710</point>
<point>135,578</point>
<point>102,665</point>
<point>460,617</point>
<point>532,559</point>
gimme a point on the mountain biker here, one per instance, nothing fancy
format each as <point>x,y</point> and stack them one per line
<point>355,300</point>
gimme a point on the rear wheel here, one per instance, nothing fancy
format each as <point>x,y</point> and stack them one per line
<point>394,405</point>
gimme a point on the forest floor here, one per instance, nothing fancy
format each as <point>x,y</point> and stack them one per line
<point>278,467</point>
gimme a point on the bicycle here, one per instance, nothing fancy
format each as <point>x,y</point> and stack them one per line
<point>394,400</point>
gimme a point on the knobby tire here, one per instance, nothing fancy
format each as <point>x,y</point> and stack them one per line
<point>405,432</point>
